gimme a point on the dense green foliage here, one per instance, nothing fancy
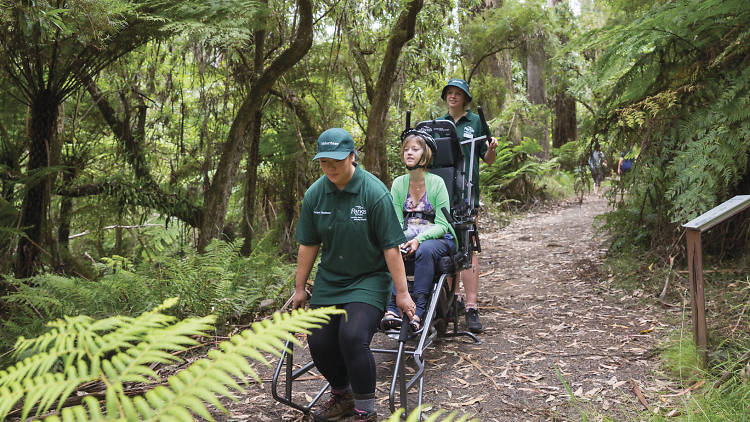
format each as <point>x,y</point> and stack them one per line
<point>219,282</point>
<point>675,83</point>
<point>517,173</point>
<point>120,116</point>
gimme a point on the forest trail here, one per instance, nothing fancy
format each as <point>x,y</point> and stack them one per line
<point>550,314</point>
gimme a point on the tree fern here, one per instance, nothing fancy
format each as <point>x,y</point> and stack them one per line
<point>674,82</point>
<point>117,351</point>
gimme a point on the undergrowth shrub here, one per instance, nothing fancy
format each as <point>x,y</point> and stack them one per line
<point>218,282</point>
<point>568,155</point>
<point>680,356</point>
<point>517,174</point>
<point>683,105</point>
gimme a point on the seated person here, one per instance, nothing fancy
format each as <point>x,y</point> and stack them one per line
<point>418,197</point>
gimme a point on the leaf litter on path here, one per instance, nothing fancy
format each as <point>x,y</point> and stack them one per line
<point>555,331</point>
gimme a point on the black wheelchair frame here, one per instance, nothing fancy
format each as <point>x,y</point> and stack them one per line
<point>448,163</point>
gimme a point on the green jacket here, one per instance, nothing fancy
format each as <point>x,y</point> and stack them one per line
<point>437,194</point>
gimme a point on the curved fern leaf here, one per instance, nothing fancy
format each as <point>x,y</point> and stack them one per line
<point>119,350</point>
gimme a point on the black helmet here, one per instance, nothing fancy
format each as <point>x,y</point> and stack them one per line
<point>428,139</point>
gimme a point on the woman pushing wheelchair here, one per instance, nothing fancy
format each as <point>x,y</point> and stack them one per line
<point>348,214</point>
<point>418,197</point>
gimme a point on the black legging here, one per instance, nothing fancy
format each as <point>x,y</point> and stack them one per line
<point>347,341</point>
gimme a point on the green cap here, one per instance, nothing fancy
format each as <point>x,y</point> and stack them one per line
<point>459,83</point>
<point>335,143</point>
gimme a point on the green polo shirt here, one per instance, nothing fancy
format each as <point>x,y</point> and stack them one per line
<point>353,226</point>
<point>467,127</point>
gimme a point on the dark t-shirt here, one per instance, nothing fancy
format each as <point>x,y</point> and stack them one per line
<point>353,226</point>
<point>467,127</point>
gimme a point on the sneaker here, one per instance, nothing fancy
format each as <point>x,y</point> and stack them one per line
<point>363,416</point>
<point>336,408</point>
<point>472,320</point>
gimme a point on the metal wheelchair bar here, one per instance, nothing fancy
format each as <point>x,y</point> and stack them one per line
<point>427,323</point>
<point>290,377</point>
<point>425,339</point>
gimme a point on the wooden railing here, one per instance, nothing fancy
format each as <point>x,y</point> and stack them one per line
<point>694,228</point>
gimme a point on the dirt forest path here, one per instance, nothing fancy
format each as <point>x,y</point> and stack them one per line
<point>550,314</point>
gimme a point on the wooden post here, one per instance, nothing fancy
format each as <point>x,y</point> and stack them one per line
<point>694,228</point>
<point>697,297</point>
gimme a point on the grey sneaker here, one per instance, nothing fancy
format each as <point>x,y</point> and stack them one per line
<point>336,408</point>
<point>472,320</point>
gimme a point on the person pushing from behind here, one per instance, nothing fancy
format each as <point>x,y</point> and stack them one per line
<point>468,125</point>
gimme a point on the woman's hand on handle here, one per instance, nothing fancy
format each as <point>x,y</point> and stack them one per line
<point>406,304</point>
<point>299,298</point>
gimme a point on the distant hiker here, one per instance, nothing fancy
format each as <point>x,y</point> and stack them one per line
<point>350,213</point>
<point>625,164</point>
<point>596,164</point>
<point>468,125</point>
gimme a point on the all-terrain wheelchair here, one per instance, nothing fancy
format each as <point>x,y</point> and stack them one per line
<point>448,163</point>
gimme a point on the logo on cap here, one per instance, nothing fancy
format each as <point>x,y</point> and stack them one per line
<point>335,143</point>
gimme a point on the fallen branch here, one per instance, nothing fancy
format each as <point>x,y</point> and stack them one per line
<point>639,394</point>
<point>725,270</point>
<point>666,282</point>
<point>467,358</point>
<point>73,236</point>
<point>687,390</point>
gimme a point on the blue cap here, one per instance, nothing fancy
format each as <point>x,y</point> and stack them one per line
<point>335,143</point>
<point>459,83</point>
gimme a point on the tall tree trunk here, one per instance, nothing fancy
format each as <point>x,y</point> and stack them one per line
<point>376,160</point>
<point>535,73</point>
<point>565,120</point>
<point>66,207</point>
<point>217,195</point>
<point>306,131</point>
<point>251,183</point>
<point>506,73</point>
<point>566,123</point>
<point>44,112</point>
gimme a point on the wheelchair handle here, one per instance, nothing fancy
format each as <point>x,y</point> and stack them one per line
<point>448,216</point>
<point>403,334</point>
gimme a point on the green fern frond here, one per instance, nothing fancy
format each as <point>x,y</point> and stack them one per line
<point>117,351</point>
